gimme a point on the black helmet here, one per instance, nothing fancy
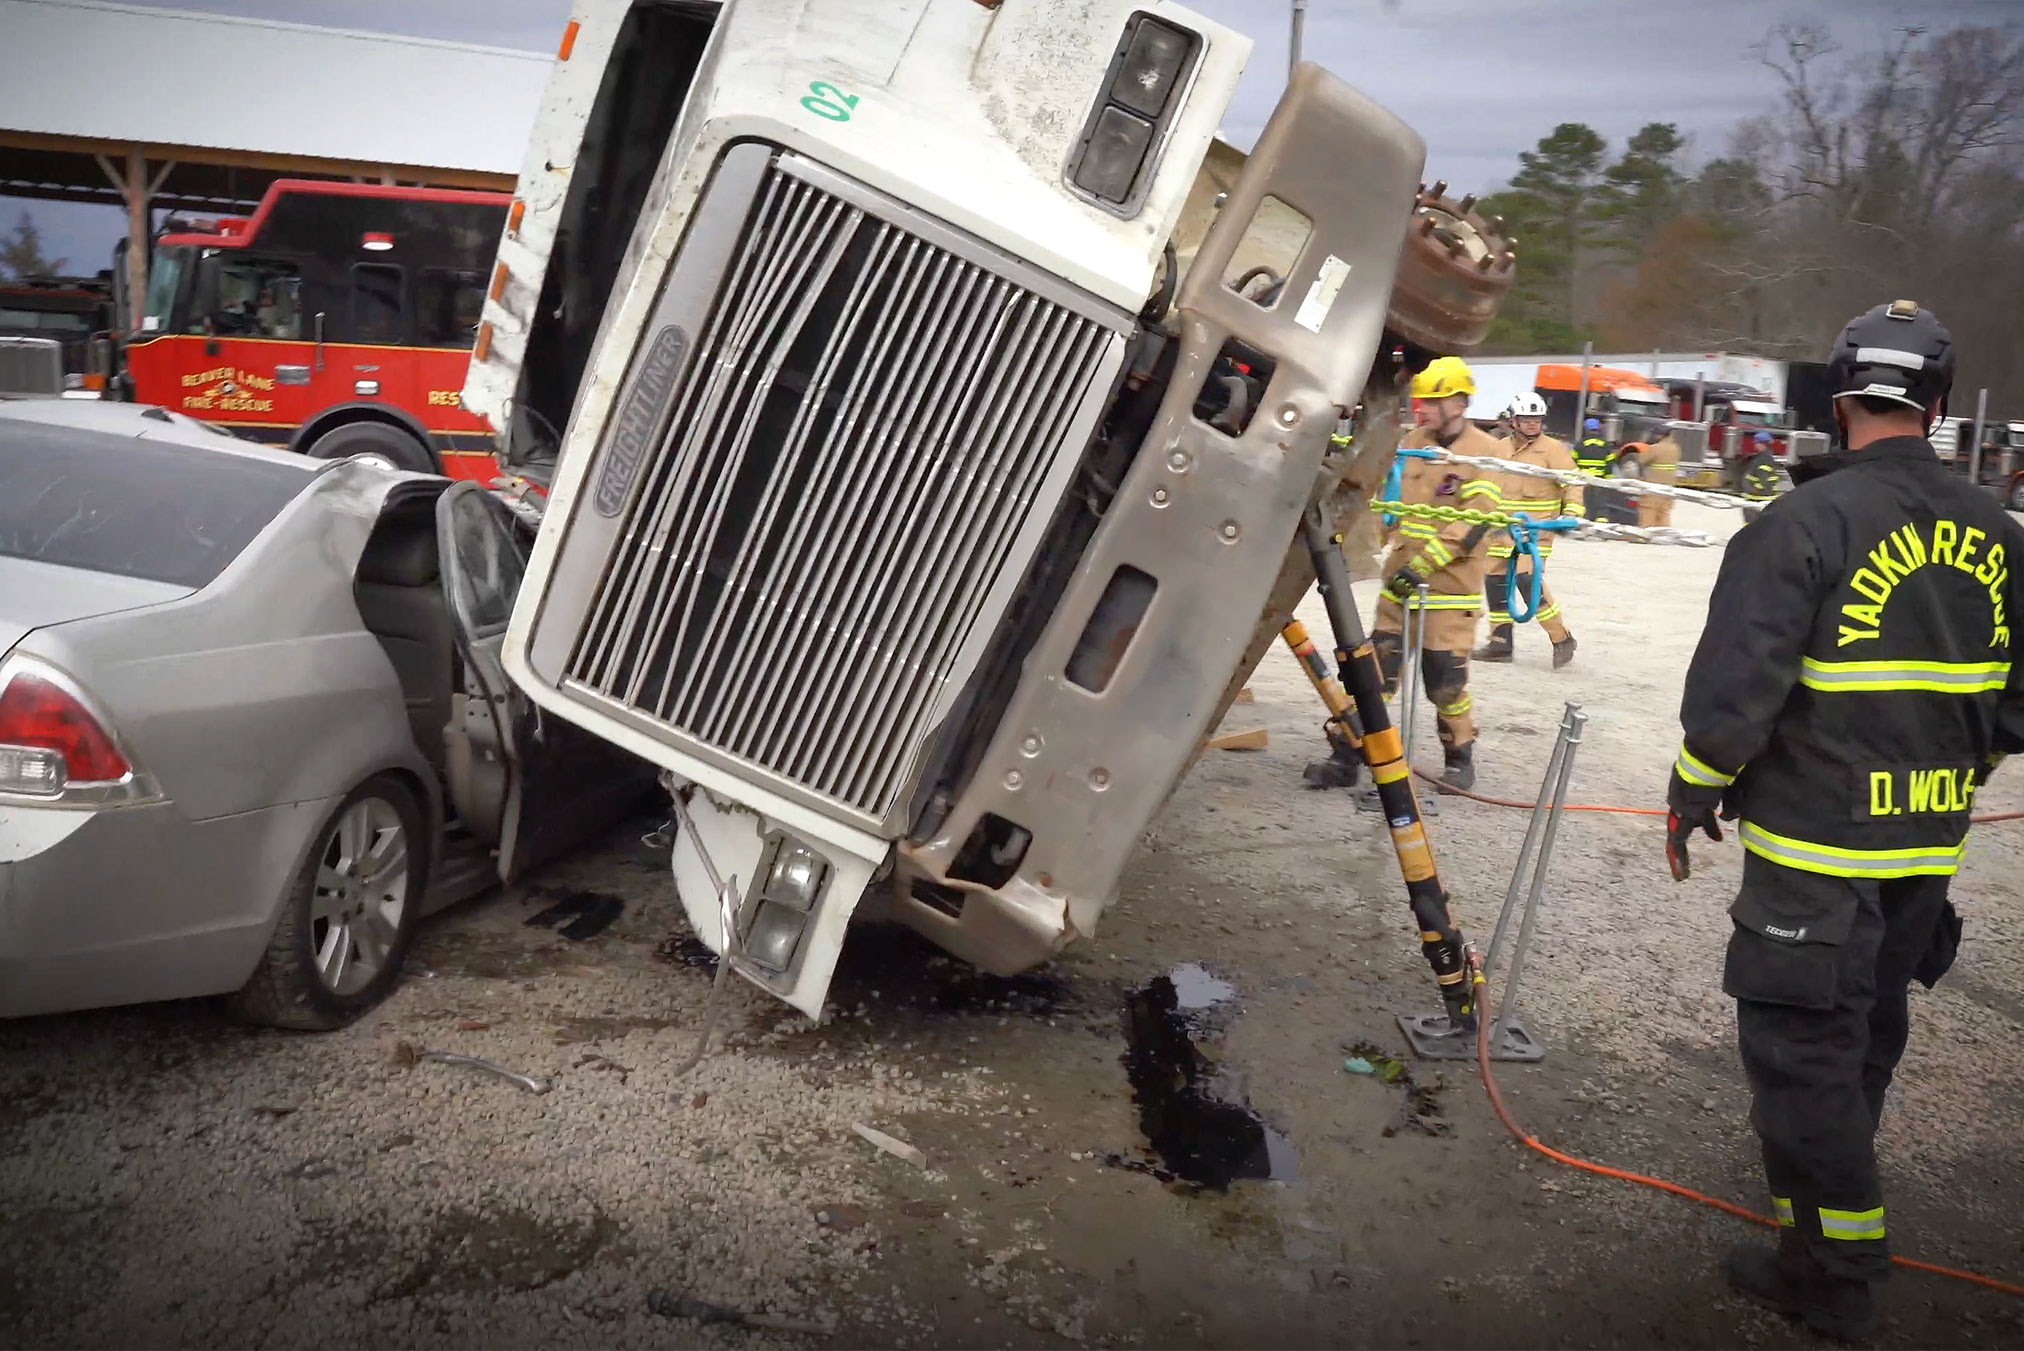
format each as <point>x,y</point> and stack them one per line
<point>1896,351</point>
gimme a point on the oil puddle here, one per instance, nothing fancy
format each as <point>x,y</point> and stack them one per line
<point>589,913</point>
<point>1194,1110</point>
<point>896,967</point>
<point>1420,1110</point>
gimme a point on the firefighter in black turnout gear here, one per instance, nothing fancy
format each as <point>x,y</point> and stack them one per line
<point>1852,688</point>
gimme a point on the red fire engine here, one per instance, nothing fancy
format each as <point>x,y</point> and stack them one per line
<point>337,319</point>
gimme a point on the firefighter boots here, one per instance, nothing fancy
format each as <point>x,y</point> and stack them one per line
<point>1499,647</point>
<point>1339,770</point>
<point>1461,766</point>
<point>1563,652</point>
<point>1783,1281</point>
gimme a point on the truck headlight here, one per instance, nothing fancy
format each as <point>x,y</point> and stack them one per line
<point>796,877</point>
<point>794,882</point>
<point>1113,160</point>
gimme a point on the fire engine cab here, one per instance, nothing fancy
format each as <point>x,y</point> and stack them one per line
<point>337,320</point>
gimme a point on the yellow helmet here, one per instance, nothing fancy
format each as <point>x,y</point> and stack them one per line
<point>1443,378</point>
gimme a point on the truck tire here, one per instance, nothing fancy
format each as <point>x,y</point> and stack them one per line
<point>1759,478</point>
<point>1453,273</point>
<point>389,445</point>
<point>2013,499</point>
<point>348,916</point>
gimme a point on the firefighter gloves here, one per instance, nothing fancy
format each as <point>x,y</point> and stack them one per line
<point>1689,807</point>
<point>1403,583</point>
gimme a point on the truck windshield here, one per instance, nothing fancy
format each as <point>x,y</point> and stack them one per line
<point>165,275</point>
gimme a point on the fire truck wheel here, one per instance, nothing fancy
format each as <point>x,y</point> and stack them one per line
<point>390,445</point>
<point>2014,499</point>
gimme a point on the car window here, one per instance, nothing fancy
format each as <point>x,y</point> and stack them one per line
<point>136,508</point>
<point>490,561</point>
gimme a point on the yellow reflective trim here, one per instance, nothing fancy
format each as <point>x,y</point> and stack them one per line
<point>1550,612</point>
<point>1499,617</point>
<point>1504,550</point>
<point>1695,770</point>
<point>1458,708</point>
<point>1781,1206</point>
<point>1853,1226</point>
<point>1439,552</point>
<point>1833,861</point>
<point>1939,677</point>
<point>1443,602</point>
<point>1480,487</point>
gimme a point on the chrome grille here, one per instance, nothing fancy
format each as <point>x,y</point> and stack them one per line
<point>857,460</point>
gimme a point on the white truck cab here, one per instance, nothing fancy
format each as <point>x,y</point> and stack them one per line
<point>924,428</point>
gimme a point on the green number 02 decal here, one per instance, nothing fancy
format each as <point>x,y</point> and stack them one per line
<point>826,100</point>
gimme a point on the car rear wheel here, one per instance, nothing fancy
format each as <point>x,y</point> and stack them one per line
<point>389,445</point>
<point>349,915</point>
<point>2014,500</point>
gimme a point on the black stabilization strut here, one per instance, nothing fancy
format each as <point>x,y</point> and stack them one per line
<point>1384,754</point>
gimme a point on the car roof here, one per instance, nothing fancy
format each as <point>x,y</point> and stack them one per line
<point>144,421</point>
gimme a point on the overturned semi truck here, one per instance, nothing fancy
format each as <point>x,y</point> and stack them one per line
<point>928,403</point>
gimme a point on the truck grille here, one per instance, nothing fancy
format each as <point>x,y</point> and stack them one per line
<point>30,366</point>
<point>858,456</point>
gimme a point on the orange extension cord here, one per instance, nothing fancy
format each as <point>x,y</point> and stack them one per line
<point>1985,819</point>
<point>1622,1175</point>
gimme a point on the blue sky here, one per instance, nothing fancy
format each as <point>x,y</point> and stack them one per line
<point>1479,79</point>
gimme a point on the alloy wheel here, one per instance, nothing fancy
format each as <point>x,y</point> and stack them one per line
<point>360,895</point>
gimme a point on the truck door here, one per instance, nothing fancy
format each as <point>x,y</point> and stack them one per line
<point>253,324</point>
<point>530,785</point>
<point>375,365</point>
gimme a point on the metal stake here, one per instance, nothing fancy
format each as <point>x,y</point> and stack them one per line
<point>1430,1034</point>
<point>1410,692</point>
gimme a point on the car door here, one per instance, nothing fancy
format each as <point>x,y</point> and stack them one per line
<point>531,785</point>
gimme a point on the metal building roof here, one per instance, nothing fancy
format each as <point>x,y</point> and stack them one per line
<point>169,78</point>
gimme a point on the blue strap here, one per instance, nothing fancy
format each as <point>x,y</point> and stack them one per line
<point>1395,478</point>
<point>1525,534</point>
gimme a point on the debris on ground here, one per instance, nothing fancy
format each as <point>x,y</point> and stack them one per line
<point>899,1149</point>
<point>406,1054</point>
<point>589,914</point>
<point>1421,1108</point>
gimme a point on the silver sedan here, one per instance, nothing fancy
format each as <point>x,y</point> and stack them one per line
<point>253,724</point>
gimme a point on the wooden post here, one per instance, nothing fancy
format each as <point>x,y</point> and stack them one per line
<point>135,190</point>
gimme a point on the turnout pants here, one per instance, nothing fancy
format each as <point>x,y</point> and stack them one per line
<point>1819,968</point>
<point>1444,664</point>
<point>1497,583</point>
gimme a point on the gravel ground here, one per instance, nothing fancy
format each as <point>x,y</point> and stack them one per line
<point>168,1178</point>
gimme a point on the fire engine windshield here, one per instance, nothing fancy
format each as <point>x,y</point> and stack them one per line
<point>165,275</point>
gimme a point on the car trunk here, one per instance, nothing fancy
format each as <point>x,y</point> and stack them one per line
<point>35,595</point>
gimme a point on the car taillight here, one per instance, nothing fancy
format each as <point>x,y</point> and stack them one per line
<point>50,741</point>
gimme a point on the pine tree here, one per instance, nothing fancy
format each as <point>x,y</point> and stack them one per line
<point>21,253</point>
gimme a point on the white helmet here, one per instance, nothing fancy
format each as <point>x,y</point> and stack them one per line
<point>1528,404</point>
